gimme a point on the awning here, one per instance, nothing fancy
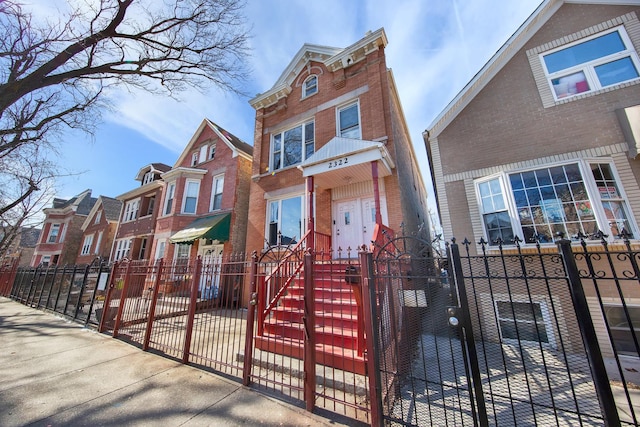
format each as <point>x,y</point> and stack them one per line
<point>214,227</point>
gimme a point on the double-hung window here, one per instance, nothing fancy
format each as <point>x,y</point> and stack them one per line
<point>53,233</point>
<point>168,201</point>
<point>285,220</point>
<point>131,210</point>
<point>216,193</point>
<point>122,249</point>
<point>574,199</point>
<point>292,146</point>
<point>98,217</point>
<point>86,245</point>
<point>349,121</point>
<point>212,151</point>
<point>600,61</point>
<point>98,243</point>
<point>310,86</point>
<point>190,197</point>
<point>148,178</point>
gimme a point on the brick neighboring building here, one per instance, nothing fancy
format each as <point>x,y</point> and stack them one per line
<point>23,246</point>
<point>205,197</point>
<point>138,214</point>
<point>62,230</point>
<point>99,230</point>
<point>545,139</point>
<point>327,127</point>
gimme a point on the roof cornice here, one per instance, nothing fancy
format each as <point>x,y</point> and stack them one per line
<point>333,58</point>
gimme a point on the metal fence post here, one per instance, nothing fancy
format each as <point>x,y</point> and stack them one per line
<point>468,340</point>
<point>589,337</point>
<point>123,299</point>
<point>251,317</point>
<point>309,320</point>
<point>152,308</point>
<point>193,301</point>
<point>370,313</point>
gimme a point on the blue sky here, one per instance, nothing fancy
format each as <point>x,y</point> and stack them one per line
<point>435,48</point>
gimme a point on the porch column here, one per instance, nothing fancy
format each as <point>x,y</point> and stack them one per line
<point>376,191</point>
<point>311,220</point>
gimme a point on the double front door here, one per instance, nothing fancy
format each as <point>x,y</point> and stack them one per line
<point>353,224</point>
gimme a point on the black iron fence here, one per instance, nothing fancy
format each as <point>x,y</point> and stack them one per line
<point>511,335</point>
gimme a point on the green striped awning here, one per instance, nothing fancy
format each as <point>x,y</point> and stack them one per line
<point>214,227</point>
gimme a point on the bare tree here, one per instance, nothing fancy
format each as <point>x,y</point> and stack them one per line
<point>54,75</point>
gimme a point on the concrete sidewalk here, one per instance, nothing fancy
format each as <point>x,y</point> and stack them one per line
<point>56,373</point>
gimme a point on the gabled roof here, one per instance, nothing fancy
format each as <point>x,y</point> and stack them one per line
<point>111,210</point>
<point>333,58</point>
<point>508,50</point>
<point>80,204</point>
<point>153,167</point>
<point>236,145</point>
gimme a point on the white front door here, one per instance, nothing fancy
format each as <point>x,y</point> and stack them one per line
<point>347,229</point>
<point>211,256</point>
<point>368,220</point>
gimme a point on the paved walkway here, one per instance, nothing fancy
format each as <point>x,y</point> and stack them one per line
<point>56,373</point>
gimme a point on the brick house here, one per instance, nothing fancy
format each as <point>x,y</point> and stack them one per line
<point>62,230</point>
<point>139,211</point>
<point>553,121</point>
<point>205,197</point>
<point>332,151</point>
<point>99,230</point>
<point>22,247</point>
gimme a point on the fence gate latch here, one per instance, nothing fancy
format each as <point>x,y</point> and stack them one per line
<point>452,314</point>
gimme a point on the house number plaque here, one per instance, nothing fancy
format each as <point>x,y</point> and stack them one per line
<point>338,162</point>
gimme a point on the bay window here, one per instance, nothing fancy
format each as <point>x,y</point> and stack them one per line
<point>594,63</point>
<point>168,202</point>
<point>285,219</point>
<point>575,199</point>
<point>292,146</point>
<point>192,188</point>
<point>216,193</point>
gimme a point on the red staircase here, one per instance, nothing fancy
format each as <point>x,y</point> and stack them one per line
<point>336,321</point>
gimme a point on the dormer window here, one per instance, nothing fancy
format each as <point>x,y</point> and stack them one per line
<point>148,177</point>
<point>310,86</point>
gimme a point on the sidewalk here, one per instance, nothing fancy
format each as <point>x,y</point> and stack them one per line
<point>56,373</point>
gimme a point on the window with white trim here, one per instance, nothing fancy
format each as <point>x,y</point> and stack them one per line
<point>168,200</point>
<point>285,218</point>
<point>212,151</point>
<point>148,177</point>
<point>45,260</point>
<point>194,158</point>
<point>575,199</point>
<point>98,243</point>
<point>216,192</point>
<point>181,254</point>
<point>122,249</point>
<point>160,249</point>
<point>292,146</point>
<point>131,210</point>
<point>53,233</point>
<point>310,86</point>
<point>600,61</point>
<point>349,121</point>
<point>624,323</point>
<point>520,321</point>
<point>190,202</point>
<point>98,217</point>
<point>143,248</point>
<point>203,153</point>
<point>86,245</point>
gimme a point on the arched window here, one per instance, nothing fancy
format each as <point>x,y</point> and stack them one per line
<point>310,86</point>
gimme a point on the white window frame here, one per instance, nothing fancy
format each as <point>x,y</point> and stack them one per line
<point>593,194</point>
<point>279,200</point>
<point>181,252</point>
<point>45,260</point>
<point>169,198</point>
<point>309,90</point>
<point>339,131</point>
<point>505,201</point>
<point>281,135</point>
<point>98,217</point>
<point>212,151</point>
<point>148,177</point>
<point>122,249</point>
<point>86,245</point>
<point>131,209</point>
<point>186,196</point>
<point>588,68</point>
<point>98,242</point>
<point>160,249</point>
<point>546,321</point>
<point>626,328</point>
<point>54,232</point>
<point>194,158</point>
<point>214,191</point>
